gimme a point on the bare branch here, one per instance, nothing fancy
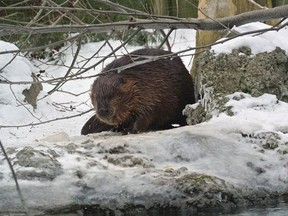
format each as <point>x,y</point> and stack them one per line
<point>45,122</point>
<point>61,83</point>
<point>119,7</point>
<point>110,54</point>
<point>256,4</point>
<point>37,15</point>
<point>165,40</point>
<point>198,24</point>
<point>92,11</point>
<point>57,43</point>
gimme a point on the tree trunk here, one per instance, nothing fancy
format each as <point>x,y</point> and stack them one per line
<point>217,9</point>
<point>209,9</point>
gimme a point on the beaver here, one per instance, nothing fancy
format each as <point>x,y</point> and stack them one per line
<point>142,91</point>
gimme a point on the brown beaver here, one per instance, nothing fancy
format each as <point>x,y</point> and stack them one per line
<point>139,92</point>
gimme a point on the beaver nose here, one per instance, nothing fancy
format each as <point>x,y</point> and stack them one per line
<point>103,112</point>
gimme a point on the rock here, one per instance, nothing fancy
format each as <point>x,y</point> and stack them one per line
<point>205,109</point>
<point>129,161</point>
<point>36,164</point>
<point>242,72</point>
<point>283,149</point>
<point>208,192</point>
<point>71,148</point>
<point>196,114</point>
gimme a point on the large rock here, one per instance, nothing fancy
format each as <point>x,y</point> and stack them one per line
<point>241,71</point>
<point>37,164</point>
<point>238,71</point>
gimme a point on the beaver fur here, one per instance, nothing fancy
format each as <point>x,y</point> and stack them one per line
<point>137,93</point>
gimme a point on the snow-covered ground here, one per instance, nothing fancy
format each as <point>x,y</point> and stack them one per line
<point>228,147</point>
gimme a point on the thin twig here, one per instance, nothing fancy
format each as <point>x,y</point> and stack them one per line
<point>256,4</point>
<point>165,40</point>
<point>92,11</point>
<point>41,47</point>
<point>22,104</point>
<point>111,53</point>
<point>97,52</point>
<point>119,7</point>
<point>61,83</point>
<point>16,181</point>
<point>74,94</point>
<point>45,122</point>
<point>37,15</point>
<point>10,61</point>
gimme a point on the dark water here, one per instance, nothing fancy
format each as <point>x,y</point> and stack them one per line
<point>280,209</point>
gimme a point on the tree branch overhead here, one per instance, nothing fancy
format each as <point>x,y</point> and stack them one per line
<point>156,23</point>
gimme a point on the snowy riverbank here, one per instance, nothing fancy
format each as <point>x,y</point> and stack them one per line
<point>230,161</point>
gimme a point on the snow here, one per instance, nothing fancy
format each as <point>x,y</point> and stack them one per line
<point>265,110</point>
<point>217,147</point>
<point>265,42</point>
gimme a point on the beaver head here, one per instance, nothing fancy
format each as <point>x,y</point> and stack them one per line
<point>112,97</point>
